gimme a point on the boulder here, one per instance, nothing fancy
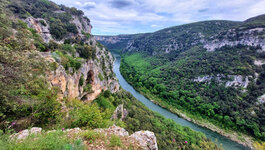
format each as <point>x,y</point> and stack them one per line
<point>146,139</point>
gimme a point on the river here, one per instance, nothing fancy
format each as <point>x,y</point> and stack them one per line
<point>215,137</point>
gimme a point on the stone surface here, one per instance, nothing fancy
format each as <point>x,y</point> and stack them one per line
<point>25,133</point>
<point>231,38</point>
<point>113,130</point>
<point>120,111</point>
<point>41,29</point>
<point>146,139</point>
<point>261,99</point>
<point>68,83</point>
<point>229,80</point>
<point>82,24</point>
<point>259,62</point>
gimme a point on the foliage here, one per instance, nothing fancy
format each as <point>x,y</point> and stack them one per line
<point>100,77</point>
<point>171,82</point>
<point>52,140</point>
<point>86,115</point>
<point>164,65</point>
<point>258,145</point>
<point>115,141</point>
<point>87,52</point>
<point>169,134</point>
<point>60,23</point>
<point>68,61</point>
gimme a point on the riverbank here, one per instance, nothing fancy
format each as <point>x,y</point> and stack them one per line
<point>234,136</point>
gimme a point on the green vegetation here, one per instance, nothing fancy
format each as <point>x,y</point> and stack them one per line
<point>27,100</point>
<point>60,23</point>
<point>87,52</point>
<point>52,140</point>
<point>169,134</point>
<point>68,61</point>
<point>100,77</point>
<point>169,77</point>
<point>115,141</point>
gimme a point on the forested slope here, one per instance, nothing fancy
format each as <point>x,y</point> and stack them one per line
<point>211,70</point>
<point>54,75</point>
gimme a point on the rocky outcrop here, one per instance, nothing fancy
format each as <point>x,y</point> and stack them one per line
<point>259,62</point>
<point>229,80</point>
<point>261,99</point>
<point>113,39</point>
<point>41,26</point>
<point>82,24</point>
<point>233,37</point>
<point>238,81</point>
<point>25,133</point>
<point>68,81</point>
<point>120,113</point>
<point>145,139</point>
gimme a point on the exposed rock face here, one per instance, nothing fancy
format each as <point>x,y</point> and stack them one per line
<point>146,139</point>
<point>113,39</point>
<point>229,81</point>
<point>238,81</point>
<point>120,112</point>
<point>68,82</point>
<point>82,24</point>
<point>233,38</point>
<point>25,133</point>
<point>259,62</point>
<point>113,130</point>
<point>261,99</point>
<point>41,28</point>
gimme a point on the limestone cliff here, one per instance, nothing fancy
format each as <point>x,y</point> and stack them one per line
<point>96,73</point>
<point>138,140</point>
<point>90,72</point>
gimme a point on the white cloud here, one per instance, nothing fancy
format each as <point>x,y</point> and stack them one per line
<point>132,16</point>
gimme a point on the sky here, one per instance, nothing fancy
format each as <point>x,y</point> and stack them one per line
<point>113,17</point>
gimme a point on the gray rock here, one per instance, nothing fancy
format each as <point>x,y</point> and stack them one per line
<point>25,133</point>
<point>146,139</point>
<point>40,28</point>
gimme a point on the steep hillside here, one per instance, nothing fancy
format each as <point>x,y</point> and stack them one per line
<point>117,43</point>
<point>36,65</point>
<point>54,75</point>
<point>212,71</point>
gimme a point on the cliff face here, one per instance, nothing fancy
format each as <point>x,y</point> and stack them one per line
<point>249,37</point>
<point>96,73</point>
<point>90,72</point>
<point>41,26</point>
<point>117,43</point>
<point>43,29</point>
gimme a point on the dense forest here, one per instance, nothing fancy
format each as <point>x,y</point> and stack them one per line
<point>27,100</point>
<point>179,72</point>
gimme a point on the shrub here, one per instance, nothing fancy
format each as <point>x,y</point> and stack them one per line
<point>115,141</point>
<point>100,77</point>
<point>87,115</point>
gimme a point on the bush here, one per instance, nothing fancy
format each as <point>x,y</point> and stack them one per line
<point>115,141</point>
<point>100,77</point>
<point>87,52</point>
<point>86,115</point>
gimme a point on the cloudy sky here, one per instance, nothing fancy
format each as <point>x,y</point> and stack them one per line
<point>112,17</point>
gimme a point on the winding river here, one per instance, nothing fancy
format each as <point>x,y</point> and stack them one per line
<point>215,137</point>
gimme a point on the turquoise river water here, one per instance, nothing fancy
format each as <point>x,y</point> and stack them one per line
<point>217,138</point>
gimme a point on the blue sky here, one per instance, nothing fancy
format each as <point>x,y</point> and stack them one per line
<point>112,17</point>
